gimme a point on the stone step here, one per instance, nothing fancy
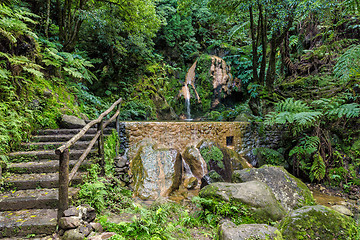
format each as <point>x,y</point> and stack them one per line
<point>50,166</point>
<point>32,199</point>
<point>60,138</point>
<point>36,180</point>
<point>92,130</point>
<point>52,145</point>
<point>24,222</point>
<point>26,156</point>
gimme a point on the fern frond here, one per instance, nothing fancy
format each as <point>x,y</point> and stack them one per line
<point>307,119</point>
<point>290,105</point>
<point>318,168</point>
<point>346,110</point>
<point>310,144</point>
<point>33,71</point>
<point>347,65</point>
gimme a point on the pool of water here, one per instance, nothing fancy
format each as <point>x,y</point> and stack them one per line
<point>325,199</point>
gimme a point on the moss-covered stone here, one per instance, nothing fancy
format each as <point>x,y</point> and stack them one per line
<point>318,222</point>
<point>230,160</point>
<point>229,231</point>
<point>253,194</point>
<point>289,190</point>
<point>156,172</point>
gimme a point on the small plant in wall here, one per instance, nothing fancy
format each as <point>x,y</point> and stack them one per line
<point>213,153</point>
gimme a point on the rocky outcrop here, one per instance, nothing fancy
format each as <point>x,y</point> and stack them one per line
<point>68,121</point>
<point>221,159</point>
<point>255,194</point>
<point>223,82</point>
<point>229,231</point>
<point>290,191</point>
<point>317,222</point>
<point>156,172</point>
<point>196,162</point>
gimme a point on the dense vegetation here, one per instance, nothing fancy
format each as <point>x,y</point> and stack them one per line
<point>297,61</point>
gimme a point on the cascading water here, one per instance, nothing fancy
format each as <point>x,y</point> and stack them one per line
<point>185,91</point>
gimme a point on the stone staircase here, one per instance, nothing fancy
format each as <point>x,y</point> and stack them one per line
<point>29,195</point>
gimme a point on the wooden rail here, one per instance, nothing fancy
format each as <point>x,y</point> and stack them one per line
<point>64,150</point>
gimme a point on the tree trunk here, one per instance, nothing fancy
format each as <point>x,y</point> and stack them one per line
<point>47,18</point>
<point>255,57</point>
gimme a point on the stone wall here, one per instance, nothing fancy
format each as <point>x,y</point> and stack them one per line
<point>179,135</point>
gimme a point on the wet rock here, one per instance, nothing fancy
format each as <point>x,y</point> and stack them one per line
<point>343,210</point>
<point>317,222</point>
<point>69,222</point>
<point>255,194</point>
<point>156,172</point>
<point>224,163</point>
<point>68,121</point>
<point>210,178</point>
<point>229,231</point>
<point>191,182</point>
<point>195,161</point>
<point>290,191</point>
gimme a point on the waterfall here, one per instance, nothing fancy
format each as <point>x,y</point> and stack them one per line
<point>187,106</point>
<point>186,93</point>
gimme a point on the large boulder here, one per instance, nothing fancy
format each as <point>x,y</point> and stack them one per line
<point>156,172</point>
<point>254,194</point>
<point>229,231</point>
<point>290,191</point>
<point>221,159</point>
<point>195,161</point>
<point>68,121</point>
<point>318,222</point>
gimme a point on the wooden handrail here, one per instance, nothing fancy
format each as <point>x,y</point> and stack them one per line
<point>64,176</point>
<point>91,144</point>
<point>75,138</point>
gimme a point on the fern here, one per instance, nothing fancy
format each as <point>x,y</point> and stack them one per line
<point>318,168</point>
<point>296,113</point>
<point>350,110</point>
<point>348,64</point>
<point>306,147</point>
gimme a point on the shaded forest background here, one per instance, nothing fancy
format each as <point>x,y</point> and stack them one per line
<point>297,61</point>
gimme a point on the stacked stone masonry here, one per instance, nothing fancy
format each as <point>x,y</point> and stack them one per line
<point>179,135</point>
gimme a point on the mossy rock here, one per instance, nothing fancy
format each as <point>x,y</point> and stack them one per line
<point>254,194</point>
<point>289,190</point>
<point>318,222</point>
<point>229,230</point>
<point>225,163</point>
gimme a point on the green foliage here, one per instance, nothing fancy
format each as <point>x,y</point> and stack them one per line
<point>153,223</point>
<point>347,65</point>
<point>94,193</point>
<point>136,110</point>
<point>212,211</point>
<point>213,154</point>
<point>110,147</point>
<point>270,156</point>
<point>297,114</point>
<point>318,168</point>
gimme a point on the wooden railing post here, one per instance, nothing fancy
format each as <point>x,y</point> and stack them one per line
<point>63,182</point>
<point>101,147</point>
<point>117,126</point>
